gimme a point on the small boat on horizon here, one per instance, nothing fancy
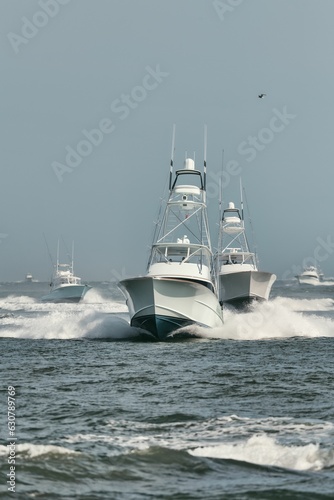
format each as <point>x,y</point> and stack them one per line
<point>65,286</point>
<point>179,288</point>
<point>240,281</point>
<point>310,276</point>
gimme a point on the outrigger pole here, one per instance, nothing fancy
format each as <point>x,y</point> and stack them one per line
<point>58,255</point>
<point>47,247</point>
<point>72,256</point>
<point>220,185</point>
<point>205,145</point>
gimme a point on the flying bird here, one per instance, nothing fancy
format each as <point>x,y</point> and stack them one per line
<point>261,96</point>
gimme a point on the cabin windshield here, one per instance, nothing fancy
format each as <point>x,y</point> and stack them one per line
<point>181,253</point>
<point>235,257</point>
<point>67,279</point>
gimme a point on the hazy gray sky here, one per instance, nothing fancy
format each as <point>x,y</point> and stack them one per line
<point>129,69</point>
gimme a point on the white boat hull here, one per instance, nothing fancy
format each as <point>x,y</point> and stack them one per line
<point>308,280</point>
<point>241,288</point>
<point>162,305</point>
<point>69,293</point>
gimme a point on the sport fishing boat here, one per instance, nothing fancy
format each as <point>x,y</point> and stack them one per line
<point>179,288</point>
<point>309,276</point>
<point>65,286</point>
<point>240,281</point>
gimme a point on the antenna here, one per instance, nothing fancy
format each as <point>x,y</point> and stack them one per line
<point>252,230</point>
<point>205,145</point>
<point>47,247</point>
<point>241,200</point>
<point>220,185</point>
<point>67,252</point>
<point>172,160</point>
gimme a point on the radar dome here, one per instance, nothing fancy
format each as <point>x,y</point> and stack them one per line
<point>189,164</point>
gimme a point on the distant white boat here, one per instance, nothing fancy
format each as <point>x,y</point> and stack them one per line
<point>28,278</point>
<point>309,276</point>
<point>240,281</point>
<point>65,286</point>
<point>179,288</point>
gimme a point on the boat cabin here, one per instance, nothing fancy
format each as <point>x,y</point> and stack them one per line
<point>180,259</point>
<point>64,276</point>
<point>236,257</point>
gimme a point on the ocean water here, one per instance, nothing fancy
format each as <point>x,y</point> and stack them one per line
<point>243,412</point>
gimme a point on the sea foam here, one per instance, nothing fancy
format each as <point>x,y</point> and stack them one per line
<point>280,317</point>
<point>276,318</point>
<point>264,450</point>
<point>35,450</point>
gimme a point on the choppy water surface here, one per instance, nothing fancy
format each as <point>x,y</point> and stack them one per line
<point>243,412</point>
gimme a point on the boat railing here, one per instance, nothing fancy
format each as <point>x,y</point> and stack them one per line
<point>181,252</point>
<point>236,256</point>
<point>66,280</point>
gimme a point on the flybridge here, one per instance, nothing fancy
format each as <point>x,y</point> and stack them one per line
<point>189,170</point>
<point>232,220</point>
<point>187,196</point>
<point>189,165</point>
